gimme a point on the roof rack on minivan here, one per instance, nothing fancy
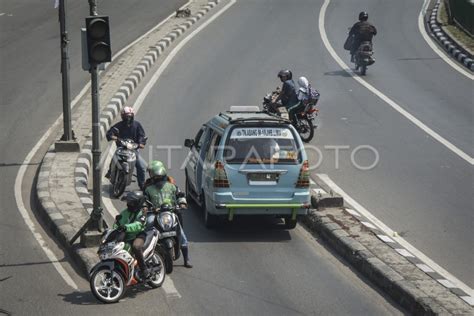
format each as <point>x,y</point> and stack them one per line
<point>275,119</point>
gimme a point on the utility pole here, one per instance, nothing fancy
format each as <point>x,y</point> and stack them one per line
<point>67,141</point>
<point>96,174</point>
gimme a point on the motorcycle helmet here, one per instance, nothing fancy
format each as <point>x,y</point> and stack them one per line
<point>303,83</point>
<point>157,170</point>
<point>127,114</point>
<point>285,74</point>
<point>363,16</point>
<point>135,200</point>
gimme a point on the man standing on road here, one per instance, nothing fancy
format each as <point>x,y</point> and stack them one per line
<point>363,31</point>
<point>129,128</point>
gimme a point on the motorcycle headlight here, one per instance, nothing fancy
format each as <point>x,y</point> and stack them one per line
<point>166,221</point>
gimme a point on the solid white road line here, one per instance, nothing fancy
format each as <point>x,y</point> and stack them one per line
<point>435,48</point>
<point>387,230</point>
<point>382,96</point>
<point>21,173</point>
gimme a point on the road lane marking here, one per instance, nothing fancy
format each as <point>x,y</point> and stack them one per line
<point>26,217</point>
<point>382,96</point>
<point>434,46</point>
<point>21,172</point>
<point>389,232</point>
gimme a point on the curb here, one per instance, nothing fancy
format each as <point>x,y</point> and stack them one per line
<point>60,226</point>
<point>449,44</point>
<point>339,234</point>
<point>383,276</point>
<point>112,110</point>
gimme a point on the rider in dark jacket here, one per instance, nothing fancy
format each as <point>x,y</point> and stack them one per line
<point>129,128</point>
<point>287,95</point>
<point>363,31</point>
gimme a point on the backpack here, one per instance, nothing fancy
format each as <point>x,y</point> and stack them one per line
<point>313,95</point>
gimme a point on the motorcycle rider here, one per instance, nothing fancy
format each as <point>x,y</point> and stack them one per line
<point>160,189</point>
<point>131,225</point>
<point>363,31</point>
<point>287,95</point>
<point>129,128</point>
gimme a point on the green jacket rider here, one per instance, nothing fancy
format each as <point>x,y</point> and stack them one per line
<point>158,190</point>
<point>131,225</point>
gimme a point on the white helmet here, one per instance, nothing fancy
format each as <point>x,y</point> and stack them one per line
<point>303,83</point>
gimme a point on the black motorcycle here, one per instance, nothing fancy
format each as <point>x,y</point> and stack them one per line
<point>166,221</point>
<point>304,118</point>
<point>364,57</point>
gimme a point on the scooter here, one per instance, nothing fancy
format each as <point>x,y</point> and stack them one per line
<point>364,57</point>
<point>168,224</point>
<point>118,269</point>
<point>122,166</point>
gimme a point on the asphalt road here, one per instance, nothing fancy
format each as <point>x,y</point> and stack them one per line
<point>251,266</point>
<point>419,188</point>
<point>30,101</point>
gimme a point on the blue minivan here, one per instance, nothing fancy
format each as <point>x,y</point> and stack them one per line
<point>247,162</point>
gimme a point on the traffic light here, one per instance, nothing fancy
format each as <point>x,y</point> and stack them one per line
<point>98,39</point>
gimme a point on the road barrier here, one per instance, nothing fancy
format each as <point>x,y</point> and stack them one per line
<point>461,12</point>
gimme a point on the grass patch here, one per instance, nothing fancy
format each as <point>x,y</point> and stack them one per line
<point>458,34</point>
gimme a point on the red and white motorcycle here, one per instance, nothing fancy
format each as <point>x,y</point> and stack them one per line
<point>118,269</point>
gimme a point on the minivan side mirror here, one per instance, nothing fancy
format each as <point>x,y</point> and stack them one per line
<point>189,143</point>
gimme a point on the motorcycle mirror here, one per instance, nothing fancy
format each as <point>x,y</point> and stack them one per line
<point>189,143</point>
<point>181,195</point>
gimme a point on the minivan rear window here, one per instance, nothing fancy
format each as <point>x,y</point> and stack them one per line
<point>261,145</point>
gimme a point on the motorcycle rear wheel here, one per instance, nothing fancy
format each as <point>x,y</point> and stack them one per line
<point>119,185</point>
<point>157,279</point>
<point>305,129</point>
<point>107,286</point>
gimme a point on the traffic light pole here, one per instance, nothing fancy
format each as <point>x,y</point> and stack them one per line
<point>96,216</point>
<point>67,136</point>
<point>96,199</point>
<point>89,231</point>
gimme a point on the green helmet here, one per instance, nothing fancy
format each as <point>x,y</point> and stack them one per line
<point>156,169</point>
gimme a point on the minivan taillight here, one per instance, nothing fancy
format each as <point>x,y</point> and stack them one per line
<point>303,178</point>
<point>220,176</point>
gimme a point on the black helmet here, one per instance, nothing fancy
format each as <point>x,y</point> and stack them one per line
<point>135,200</point>
<point>363,16</point>
<point>285,73</point>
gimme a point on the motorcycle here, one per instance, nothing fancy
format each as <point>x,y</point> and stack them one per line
<point>122,166</point>
<point>363,57</point>
<point>169,227</point>
<point>304,118</point>
<point>118,269</point>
